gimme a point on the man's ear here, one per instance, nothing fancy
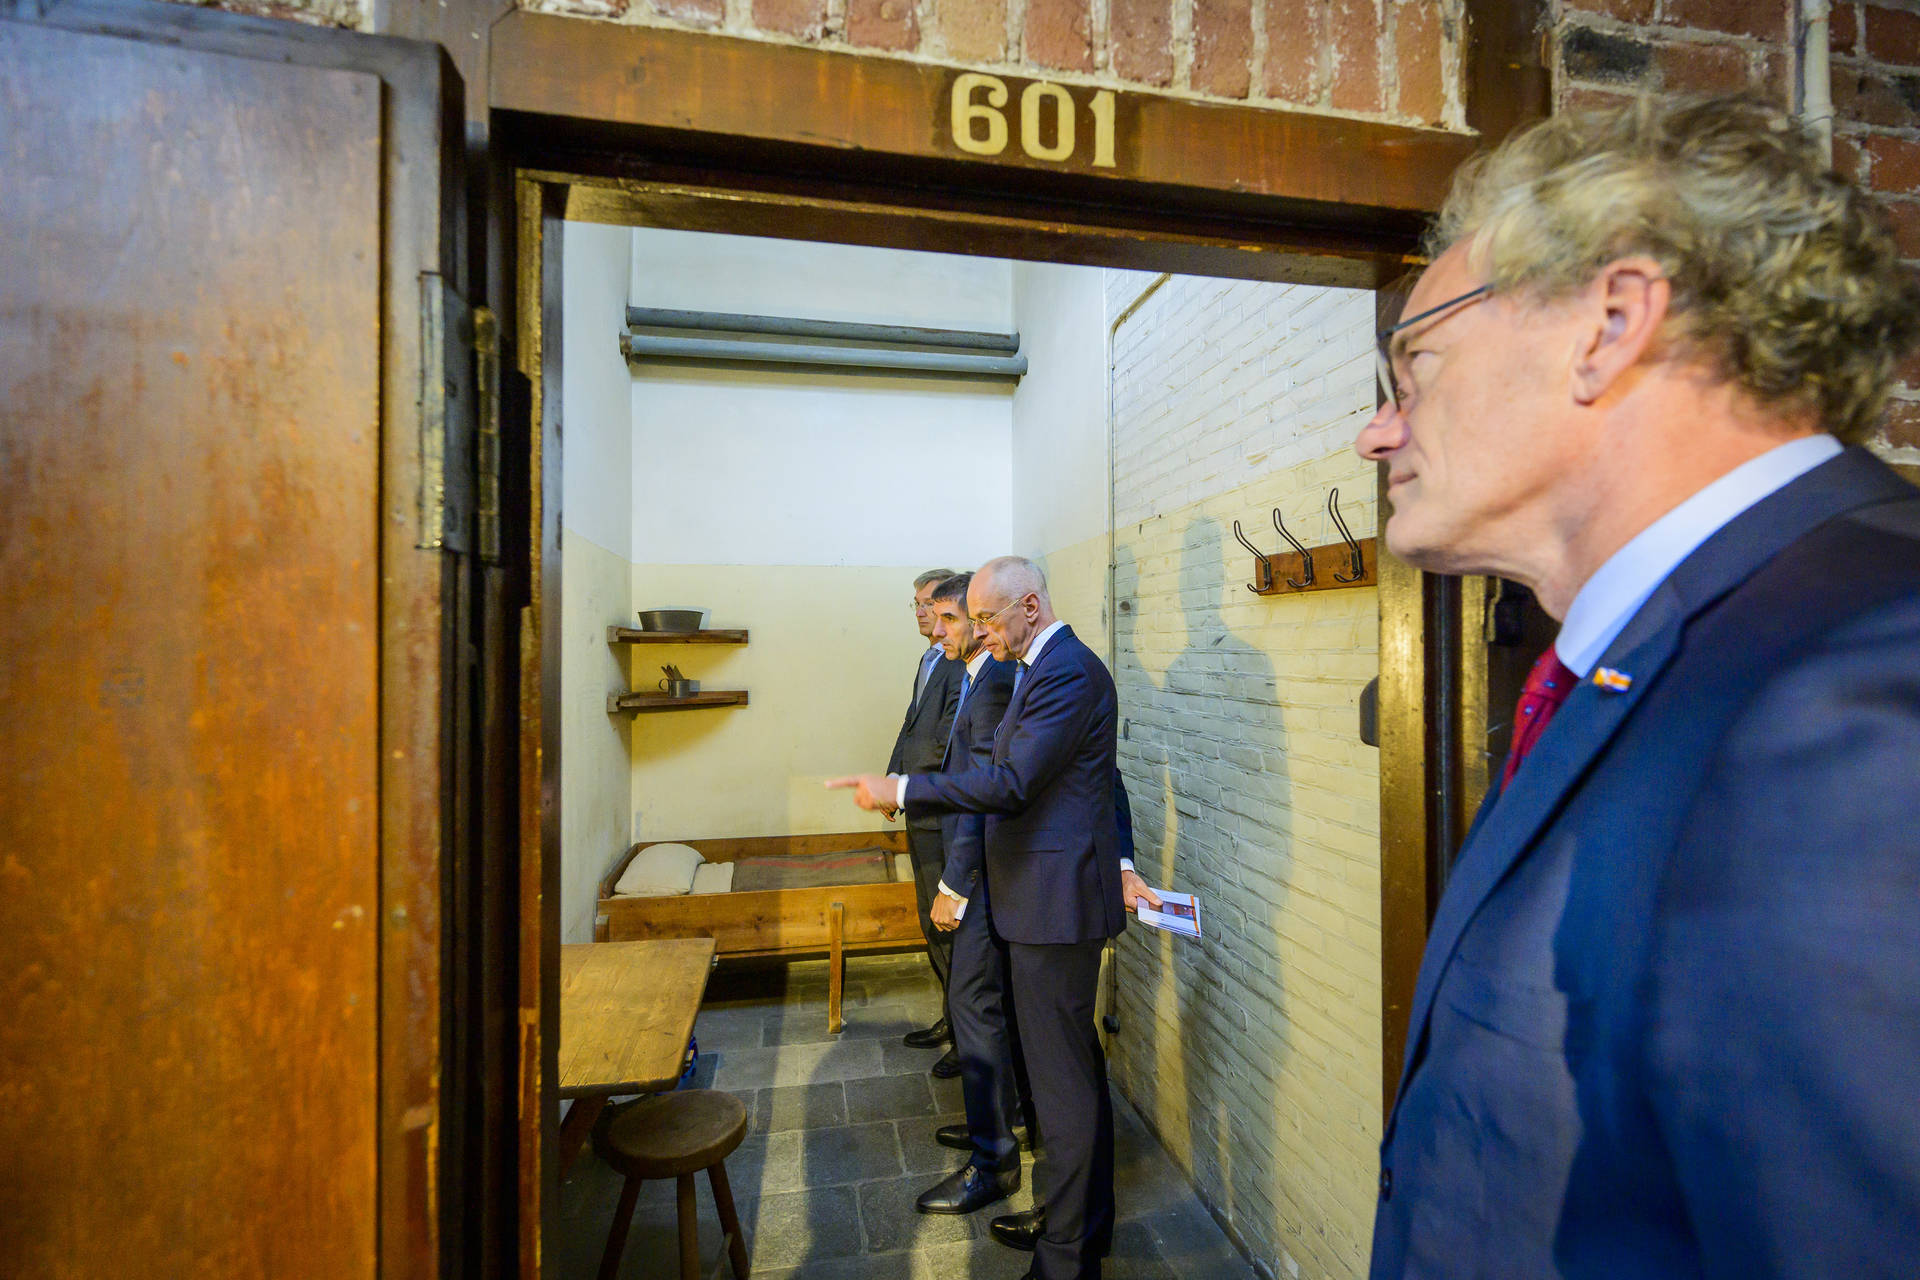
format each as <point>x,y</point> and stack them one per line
<point>1624,309</point>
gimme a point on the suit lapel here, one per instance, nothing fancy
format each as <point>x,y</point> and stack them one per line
<point>1509,827</point>
<point>1025,683</point>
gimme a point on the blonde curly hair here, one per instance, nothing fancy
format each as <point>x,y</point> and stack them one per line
<point>1786,278</point>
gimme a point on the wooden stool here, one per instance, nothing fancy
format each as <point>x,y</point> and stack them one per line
<point>676,1135</point>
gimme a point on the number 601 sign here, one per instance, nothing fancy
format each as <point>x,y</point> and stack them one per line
<point>985,115</point>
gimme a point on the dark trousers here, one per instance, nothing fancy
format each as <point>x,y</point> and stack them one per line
<point>985,1037</point>
<point>1054,987</point>
<point>929,854</point>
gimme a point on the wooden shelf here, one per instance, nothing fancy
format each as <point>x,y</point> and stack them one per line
<point>633,635</point>
<point>638,702</point>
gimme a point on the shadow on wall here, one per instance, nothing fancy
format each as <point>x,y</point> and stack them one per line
<point>1204,761</point>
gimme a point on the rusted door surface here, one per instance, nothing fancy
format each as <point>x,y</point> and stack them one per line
<point>221,684</point>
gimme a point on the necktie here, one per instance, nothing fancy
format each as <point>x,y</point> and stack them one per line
<point>1019,671</point>
<point>966,687</point>
<point>1548,684</point>
<point>920,677</point>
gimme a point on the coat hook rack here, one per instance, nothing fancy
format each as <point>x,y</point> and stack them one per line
<point>1263,573</point>
<point>1292,572</point>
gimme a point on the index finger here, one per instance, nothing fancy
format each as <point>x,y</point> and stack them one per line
<point>841,784</point>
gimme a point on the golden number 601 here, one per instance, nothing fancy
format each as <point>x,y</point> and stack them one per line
<point>980,125</point>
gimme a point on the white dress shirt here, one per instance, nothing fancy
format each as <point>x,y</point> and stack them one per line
<point>1609,599</point>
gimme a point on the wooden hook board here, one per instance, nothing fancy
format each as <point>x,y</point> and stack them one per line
<point>1327,560</point>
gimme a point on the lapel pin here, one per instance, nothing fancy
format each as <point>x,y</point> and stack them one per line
<point>1612,681</point>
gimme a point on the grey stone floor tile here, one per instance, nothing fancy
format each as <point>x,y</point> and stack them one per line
<point>802,1106</point>
<point>947,1094</point>
<point>888,1098</point>
<point>796,1064</point>
<point>892,1223</point>
<point>980,1259</point>
<point>730,1028</point>
<point>767,1163</point>
<point>1136,1256</point>
<point>897,1059</point>
<point>922,1154</point>
<point>1193,1245</point>
<point>868,1266</point>
<point>803,1228</point>
<point>750,1099</point>
<point>852,1153</point>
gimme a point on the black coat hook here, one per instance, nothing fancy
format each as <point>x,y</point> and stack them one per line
<point>1259,561</point>
<point>1357,560</point>
<point>1306,556</point>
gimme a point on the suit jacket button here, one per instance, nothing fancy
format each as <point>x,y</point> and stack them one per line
<point>1386,1184</point>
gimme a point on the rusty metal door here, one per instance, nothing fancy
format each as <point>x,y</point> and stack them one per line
<point>226,559</point>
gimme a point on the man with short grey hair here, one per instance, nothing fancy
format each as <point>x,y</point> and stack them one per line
<point>1668,1020</point>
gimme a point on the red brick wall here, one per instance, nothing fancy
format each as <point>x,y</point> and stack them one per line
<point>1395,60</point>
<point>1606,49</point>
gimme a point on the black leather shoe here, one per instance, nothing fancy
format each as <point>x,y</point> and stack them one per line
<point>937,1034</point>
<point>949,1065</point>
<point>1019,1230</point>
<point>957,1136</point>
<point>967,1189</point>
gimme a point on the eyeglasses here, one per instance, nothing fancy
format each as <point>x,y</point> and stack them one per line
<point>981,622</point>
<point>1383,357</point>
<point>919,605</point>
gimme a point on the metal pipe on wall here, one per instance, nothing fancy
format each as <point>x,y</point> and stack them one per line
<point>844,331</point>
<point>978,364</point>
<point>1813,79</point>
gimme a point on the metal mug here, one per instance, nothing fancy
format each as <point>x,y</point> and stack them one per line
<point>680,688</point>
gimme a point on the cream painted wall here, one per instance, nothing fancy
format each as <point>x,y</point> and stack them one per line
<point>596,530</point>
<point>828,668</point>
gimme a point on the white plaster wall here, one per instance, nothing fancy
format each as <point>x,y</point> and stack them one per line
<point>700,271</point>
<point>596,532</point>
<point>744,467</point>
<point>1059,410</point>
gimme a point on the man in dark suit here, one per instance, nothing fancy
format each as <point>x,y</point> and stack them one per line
<point>1052,865</point>
<point>978,1002</point>
<point>1668,1020</point>
<point>922,744</point>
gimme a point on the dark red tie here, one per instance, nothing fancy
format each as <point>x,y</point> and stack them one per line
<point>1548,685</point>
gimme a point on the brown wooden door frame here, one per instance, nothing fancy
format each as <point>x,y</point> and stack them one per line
<point>760,139</point>
<point>755,206</point>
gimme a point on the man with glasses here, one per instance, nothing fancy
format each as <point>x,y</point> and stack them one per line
<point>922,744</point>
<point>1053,845</point>
<point>1668,1020</point>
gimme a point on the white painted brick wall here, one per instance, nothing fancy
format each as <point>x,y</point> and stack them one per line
<point>1254,1052</point>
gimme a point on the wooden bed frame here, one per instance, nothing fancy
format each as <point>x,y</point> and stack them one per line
<point>833,919</point>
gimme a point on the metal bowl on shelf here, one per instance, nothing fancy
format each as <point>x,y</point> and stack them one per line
<point>672,619</point>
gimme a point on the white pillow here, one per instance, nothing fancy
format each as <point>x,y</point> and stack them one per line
<point>713,877</point>
<point>659,869</point>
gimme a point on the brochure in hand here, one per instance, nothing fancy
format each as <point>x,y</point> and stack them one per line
<point>1178,913</point>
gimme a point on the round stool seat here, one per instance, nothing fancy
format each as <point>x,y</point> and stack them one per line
<point>672,1134</point>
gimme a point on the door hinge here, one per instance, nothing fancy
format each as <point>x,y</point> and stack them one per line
<point>446,417</point>
<point>486,377</point>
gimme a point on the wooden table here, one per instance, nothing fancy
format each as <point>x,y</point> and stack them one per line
<point>626,1013</point>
